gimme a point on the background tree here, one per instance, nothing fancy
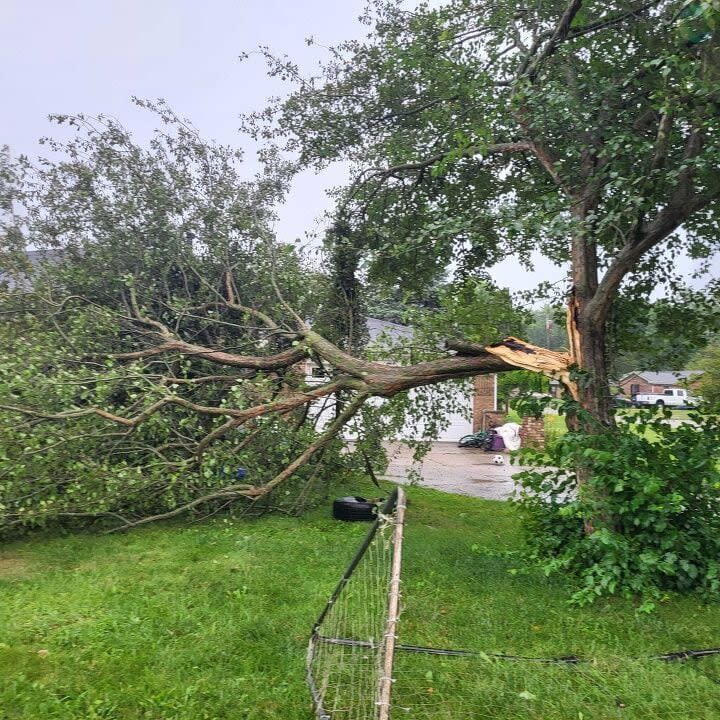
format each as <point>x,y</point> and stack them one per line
<point>663,334</point>
<point>343,317</point>
<point>547,327</point>
<point>708,361</point>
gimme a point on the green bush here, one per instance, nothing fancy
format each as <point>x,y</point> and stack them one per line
<point>84,470</point>
<point>646,520</point>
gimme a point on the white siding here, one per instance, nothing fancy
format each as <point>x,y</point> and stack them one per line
<point>458,424</point>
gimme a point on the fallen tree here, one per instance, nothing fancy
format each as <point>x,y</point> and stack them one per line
<point>162,339</point>
<point>288,394</point>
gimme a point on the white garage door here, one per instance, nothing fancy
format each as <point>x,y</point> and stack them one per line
<point>459,423</point>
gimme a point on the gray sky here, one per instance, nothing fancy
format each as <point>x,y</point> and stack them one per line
<point>91,56</point>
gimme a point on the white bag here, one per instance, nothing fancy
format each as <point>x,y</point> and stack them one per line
<point>510,433</point>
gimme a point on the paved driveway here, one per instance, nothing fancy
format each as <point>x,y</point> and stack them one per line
<point>465,471</point>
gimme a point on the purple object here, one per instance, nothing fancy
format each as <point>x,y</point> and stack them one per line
<point>497,444</point>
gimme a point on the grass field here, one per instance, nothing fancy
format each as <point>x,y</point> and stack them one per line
<point>210,620</point>
<point>555,425</point>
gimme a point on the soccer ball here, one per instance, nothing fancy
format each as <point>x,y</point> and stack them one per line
<point>498,460</point>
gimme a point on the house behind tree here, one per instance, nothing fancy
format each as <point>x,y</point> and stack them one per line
<point>650,383</point>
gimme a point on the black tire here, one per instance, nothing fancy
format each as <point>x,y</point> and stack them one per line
<point>354,508</point>
<point>660,403</point>
<point>466,441</point>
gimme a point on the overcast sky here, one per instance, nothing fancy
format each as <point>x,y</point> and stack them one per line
<point>91,56</point>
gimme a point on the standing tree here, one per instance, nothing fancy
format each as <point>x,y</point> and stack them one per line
<point>586,131</point>
<point>708,363</point>
<point>343,319</point>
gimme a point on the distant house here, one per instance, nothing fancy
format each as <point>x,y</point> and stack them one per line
<point>19,278</point>
<point>379,329</point>
<point>643,382</point>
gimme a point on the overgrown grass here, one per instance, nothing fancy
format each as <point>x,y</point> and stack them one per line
<point>210,620</point>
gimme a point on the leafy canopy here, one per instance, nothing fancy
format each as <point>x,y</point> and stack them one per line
<point>477,130</point>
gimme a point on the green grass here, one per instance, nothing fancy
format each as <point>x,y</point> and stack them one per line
<point>555,425</point>
<point>210,620</point>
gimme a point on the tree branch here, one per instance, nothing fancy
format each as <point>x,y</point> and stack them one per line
<point>230,491</point>
<point>233,304</point>
<point>520,354</point>
<point>257,362</point>
<point>328,435</point>
<point>495,149</point>
<point>254,492</point>
<point>360,377</point>
<point>683,202</point>
<point>610,22</point>
<point>530,67</point>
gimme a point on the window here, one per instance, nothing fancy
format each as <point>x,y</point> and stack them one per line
<point>634,389</point>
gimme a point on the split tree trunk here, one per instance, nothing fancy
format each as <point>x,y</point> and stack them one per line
<point>590,386</point>
<point>587,335</point>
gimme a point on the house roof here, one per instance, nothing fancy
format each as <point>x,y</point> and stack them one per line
<point>36,258</point>
<point>377,329</point>
<point>664,377</point>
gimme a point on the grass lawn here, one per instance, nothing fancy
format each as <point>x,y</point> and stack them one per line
<point>555,424</point>
<point>210,620</point>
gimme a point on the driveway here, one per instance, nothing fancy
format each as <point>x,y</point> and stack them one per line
<point>464,471</point>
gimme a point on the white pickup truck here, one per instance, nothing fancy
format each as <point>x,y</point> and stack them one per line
<point>672,397</point>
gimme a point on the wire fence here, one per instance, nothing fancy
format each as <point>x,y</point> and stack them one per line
<point>355,659</point>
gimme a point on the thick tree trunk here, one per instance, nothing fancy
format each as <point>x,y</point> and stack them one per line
<point>588,353</point>
<point>586,327</point>
<point>587,339</point>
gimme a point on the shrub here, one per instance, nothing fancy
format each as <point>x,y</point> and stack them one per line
<point>647,519</point>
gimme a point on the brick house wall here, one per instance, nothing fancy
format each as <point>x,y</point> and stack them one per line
<point>484,411</point>
<point>485,415</point>
<point>490,418</point>
<point>635,385</point>
<point>532,432</point>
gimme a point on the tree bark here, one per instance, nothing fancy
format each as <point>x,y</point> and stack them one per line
<point>587,339</point>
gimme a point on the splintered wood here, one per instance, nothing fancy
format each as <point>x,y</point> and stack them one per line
<point>524,355</point>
